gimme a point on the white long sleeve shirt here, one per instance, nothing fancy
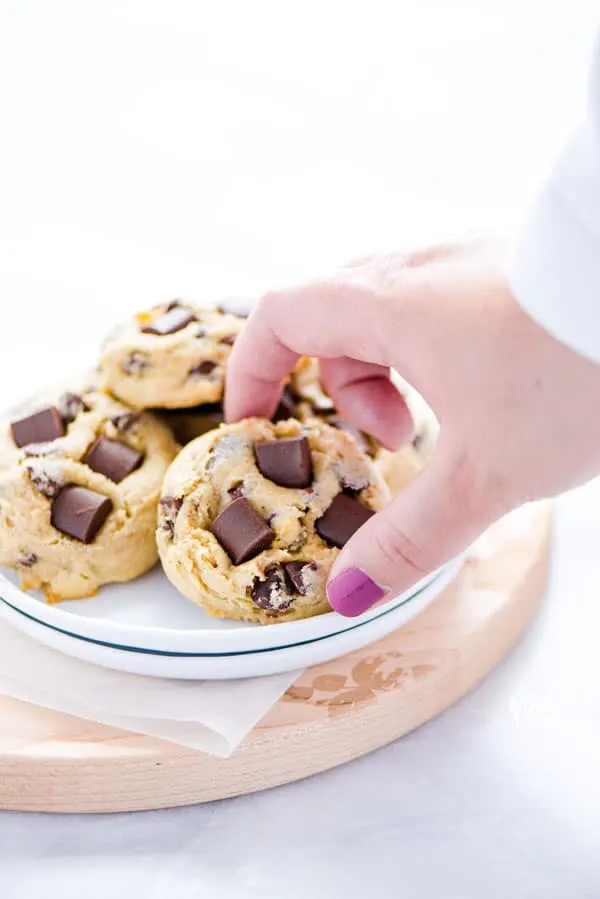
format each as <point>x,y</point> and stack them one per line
<point>555,267</point>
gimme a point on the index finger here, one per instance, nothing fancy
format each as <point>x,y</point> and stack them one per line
<point>327,319</point>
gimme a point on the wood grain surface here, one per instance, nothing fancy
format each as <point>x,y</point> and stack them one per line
<point>333,713</point>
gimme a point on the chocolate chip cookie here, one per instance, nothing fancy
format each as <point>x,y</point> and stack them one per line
<point>173,356</point>
<point>305,398</point>
<point>80,478</point>
<point>253,515</point>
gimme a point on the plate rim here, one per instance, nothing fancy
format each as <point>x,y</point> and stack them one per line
<point>382,611</point>
<point>228,667</point>
<point>182,640</point>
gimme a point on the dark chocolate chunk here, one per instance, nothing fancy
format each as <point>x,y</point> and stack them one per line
<point>43,482</point>
<point>296,571</point>
<point>174,304</point>
<point>272,594</point>
<point>80,513</point>
<point>287,407</point>
<point>70,405</point>
<point>362,440</point>
<point>201,332</point>
<point>135,364</point>
<point>241,531</point>
<point>174,319</point>
<point>113,459</point>
<point>229,340</point>
<point>342,519</point>
<point>203,368</point>
<point>42,426</point>
<point>124,421</point>
<point>170,507</point>
<point>27,560</point>
<point>285,462</point>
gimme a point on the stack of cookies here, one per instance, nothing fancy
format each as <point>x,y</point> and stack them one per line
<point>247,518</point>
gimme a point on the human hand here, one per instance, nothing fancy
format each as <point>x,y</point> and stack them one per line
<point>517,409</point>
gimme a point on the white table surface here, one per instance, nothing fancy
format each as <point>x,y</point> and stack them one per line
<point>152,149</point>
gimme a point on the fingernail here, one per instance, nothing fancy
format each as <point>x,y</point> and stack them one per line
<point>353,592</point>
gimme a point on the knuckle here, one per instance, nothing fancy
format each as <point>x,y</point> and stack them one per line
<point>394,545</point>
<point>479,494</point>
<point>268,303</point>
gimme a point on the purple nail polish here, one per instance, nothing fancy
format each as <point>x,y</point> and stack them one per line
<point>353,592</point>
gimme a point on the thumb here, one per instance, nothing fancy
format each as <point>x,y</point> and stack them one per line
<point>437,516</point>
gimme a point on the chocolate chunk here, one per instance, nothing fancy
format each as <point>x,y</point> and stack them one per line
<point>80,513</point>
<point>296,571</point>
<point>170,507</point>
<point>42,426</point>
<point>174,319</point>
<point>285,462</point>
<point>124,421</point>
<point>201,332</point>
<point>272,593</point>
<point>287,407</point>
<point>70,405</point>
<point>363,441</point>
<point>27,560</point>
<point>174,304</point>
<point>342,519</point>
<point>241,531</point>
<point>135,364</point>
<point>113,459</point>
<point>203,368</point>
<point>229,340</point>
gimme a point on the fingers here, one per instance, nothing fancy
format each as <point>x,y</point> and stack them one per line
<point>257,369</point>
<point>364,394</point>
<point>328,320</point>
<point>437,516</point>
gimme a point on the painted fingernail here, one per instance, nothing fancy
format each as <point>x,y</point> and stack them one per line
<point>353,592</point>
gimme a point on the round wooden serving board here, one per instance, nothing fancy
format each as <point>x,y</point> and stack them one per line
<point>334,712</point>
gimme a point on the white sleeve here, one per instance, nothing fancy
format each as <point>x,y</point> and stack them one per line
<point>554,270</point>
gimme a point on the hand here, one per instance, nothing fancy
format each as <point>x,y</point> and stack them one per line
<point>518,410</point>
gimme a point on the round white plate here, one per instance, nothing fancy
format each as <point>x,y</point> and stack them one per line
<point>247,663</point>
<point>149,614</point>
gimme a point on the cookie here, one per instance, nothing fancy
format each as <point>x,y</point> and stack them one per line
<point>173,356</point>
<point>302,396</point>
<point>305,398</point>
<point>253,515</point>
<point>187,424</point>
<point>80,478</point>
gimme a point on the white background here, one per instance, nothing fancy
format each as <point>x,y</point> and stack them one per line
<point>154,149</point>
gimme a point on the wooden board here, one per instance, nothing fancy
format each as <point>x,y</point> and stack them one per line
<point>334,712</point>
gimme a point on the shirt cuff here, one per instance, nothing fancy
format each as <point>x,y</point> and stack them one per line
<point>554,267</point>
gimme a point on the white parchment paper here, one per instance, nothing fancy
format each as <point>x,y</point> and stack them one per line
<point>212,716</point>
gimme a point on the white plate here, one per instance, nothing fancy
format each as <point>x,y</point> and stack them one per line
<point>249,663</point>
<point>149,614</point>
